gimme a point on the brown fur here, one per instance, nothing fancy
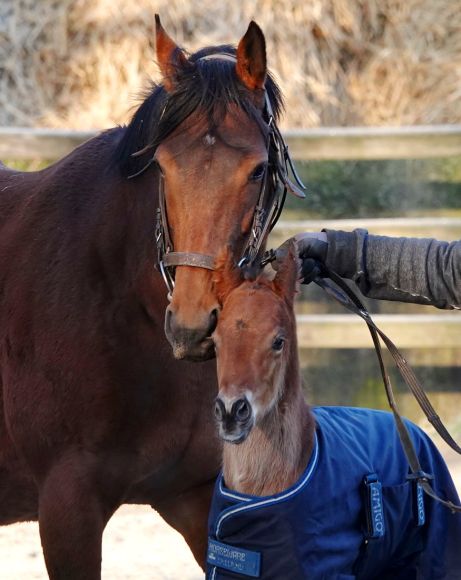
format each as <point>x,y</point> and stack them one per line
<point>275,453</point>
<point>170,57</point>
<point>277,448</point>
<point>251,64</point>
<point>96,412</point>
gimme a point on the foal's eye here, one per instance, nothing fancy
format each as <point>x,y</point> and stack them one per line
<point>278,343</point>
<point>258,172</point>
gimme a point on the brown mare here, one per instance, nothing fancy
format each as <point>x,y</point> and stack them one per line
<point>96,410</point>
<point>312,493</point>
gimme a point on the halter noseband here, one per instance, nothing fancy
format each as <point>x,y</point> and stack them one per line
<point>275,184</point>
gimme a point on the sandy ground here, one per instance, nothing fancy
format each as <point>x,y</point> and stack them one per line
<point>137,545</point>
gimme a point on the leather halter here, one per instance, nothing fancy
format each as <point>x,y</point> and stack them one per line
<point>274,187</point>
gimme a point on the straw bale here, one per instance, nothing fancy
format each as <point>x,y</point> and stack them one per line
<point>80,63</point>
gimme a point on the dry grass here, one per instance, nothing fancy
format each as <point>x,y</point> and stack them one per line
<point>80,63</point>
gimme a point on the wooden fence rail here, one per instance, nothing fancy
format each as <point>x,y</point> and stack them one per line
<point>433,331</point>
<point>330,143</point>
<point>443,228</point>
<point>20,143</point>
<point>348,331</point>
<point>368,143</point>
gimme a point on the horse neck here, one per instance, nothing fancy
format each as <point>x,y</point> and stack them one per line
<point>125,238</point>
<point>277,450</point>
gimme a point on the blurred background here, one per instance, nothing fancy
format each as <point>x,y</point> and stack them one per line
<point>79,63</point>
<point>372,115</point>
<point>82,65</point>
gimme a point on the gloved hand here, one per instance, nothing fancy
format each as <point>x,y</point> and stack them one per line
<point>312,251</point>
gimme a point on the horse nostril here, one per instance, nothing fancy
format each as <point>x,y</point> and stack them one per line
<point>241,410</point>
<point>168,320</point>
<point>219,410</point>
<point>213,321</point>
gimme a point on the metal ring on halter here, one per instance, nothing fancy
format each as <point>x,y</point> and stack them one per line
<point>169,280</point>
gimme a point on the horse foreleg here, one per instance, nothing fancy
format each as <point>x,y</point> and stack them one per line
<point>188,514</point>
<point>71,520</point>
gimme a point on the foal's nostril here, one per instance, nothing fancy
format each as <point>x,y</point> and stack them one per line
<point>219,410</point>
<point>169,320</point>
<point>241,410</point>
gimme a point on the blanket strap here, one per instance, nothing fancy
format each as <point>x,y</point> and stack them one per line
<point>341,292</point>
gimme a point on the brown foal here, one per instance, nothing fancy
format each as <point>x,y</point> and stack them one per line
<point>265,423</point>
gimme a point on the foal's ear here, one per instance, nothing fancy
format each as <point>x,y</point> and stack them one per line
<point>286,282</point>
<point>226,276</point>
<point>170,57</point>
<point>251,67</point>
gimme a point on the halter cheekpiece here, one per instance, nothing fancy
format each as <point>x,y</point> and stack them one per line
<point>275,184</point>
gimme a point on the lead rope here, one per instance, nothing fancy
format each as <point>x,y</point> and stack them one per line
<point>350,300</point>
<point>341,292</point>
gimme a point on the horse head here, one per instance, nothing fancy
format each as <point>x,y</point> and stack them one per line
<point>208,134</point>
<point>256,348</point>
<point>213,169</point>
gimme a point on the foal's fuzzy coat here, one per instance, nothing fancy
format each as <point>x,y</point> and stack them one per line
<point>277,448</point>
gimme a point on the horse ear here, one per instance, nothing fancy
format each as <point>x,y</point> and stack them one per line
<point>226,276</point>
<point>286,282</point>
<point>170,57</point>
<point>251,67</point>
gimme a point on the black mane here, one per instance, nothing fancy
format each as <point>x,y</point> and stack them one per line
<point>209,86</point>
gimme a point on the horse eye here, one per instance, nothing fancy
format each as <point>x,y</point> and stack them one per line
<point>258,172</point>
<point>278,343</point>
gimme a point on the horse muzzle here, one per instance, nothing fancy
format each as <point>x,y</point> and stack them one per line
<point>191,343</point>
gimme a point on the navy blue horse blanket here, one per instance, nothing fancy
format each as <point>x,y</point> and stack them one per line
<point>353,514</point>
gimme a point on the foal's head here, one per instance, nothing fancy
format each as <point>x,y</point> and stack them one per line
<point>213,166</point>
<point>256,346</point>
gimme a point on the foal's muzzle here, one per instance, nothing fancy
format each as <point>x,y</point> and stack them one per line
<point>236,423</point>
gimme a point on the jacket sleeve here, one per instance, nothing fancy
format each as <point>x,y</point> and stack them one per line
<point>419,270</point>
